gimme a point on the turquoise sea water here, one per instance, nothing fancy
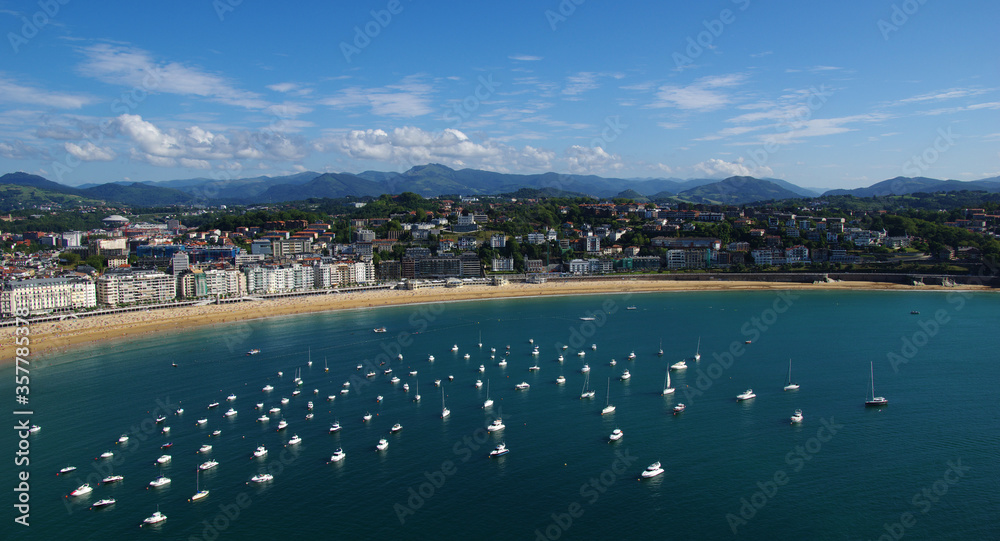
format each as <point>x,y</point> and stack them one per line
<point>846,472</point>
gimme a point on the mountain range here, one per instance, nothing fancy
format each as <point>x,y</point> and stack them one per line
<point>435,179</point>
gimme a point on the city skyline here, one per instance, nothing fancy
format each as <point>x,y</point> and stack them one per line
<point>828,96</point>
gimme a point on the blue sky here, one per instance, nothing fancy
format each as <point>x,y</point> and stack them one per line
<point>831,94</point>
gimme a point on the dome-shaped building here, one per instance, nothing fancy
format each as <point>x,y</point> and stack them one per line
<point>115,221</point>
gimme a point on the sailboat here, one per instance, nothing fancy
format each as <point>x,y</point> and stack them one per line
<point>789,386</point>
<point>416,385</point>
<point>660,353</point>
<point>587,393</point>
<point>489,401</point>
<point>667,389</point>
<point>697,352</point>
<point>310,361</point>
<point>445,412</point>
<point>608,408</point>
<point>876,400</point>
<point>480,338</point>
<point>200,493</point>
<point>326,367</point>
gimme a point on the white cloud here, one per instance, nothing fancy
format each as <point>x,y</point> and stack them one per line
<point>408,99</point>
<point>414,146</point>
<point>132,67</point>
<point>90,152</point>
<point>11,92</point>
<point>585,81</point>
<point>951,93</point>
<point>524,57</point>
<point>705,94</point>
<point>591,160</point>
<point>716,168</point>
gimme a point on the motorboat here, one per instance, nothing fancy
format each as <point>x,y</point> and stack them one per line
<point>652,470</point>
<point>112,479</point>
<point>797,417</point>
<point>216,432</point>
<point>560,380</point>
<point>626,375</point>
<point>107,454</point>
<point>213,405</point>
<point>631,356</point>
<point>230,412</point>
<point>103,503</point>
<point>479,384</point>
<point>338,455</point>
<point>160,419</point>
<point>616,434</point>
<point>282,424</point>
<point>367,417</point>
<point>522,386</point>
<point>295,440</point>
<point>259,451</point>
<point>455,347</point>
<point>258,405</point>
<point>335,427</point>
<point>231,397</point>
<point>205,448</point>
<point>534,368</point>
<point>263,419</point>
<point>167,445</point>
<point>81,490</point>
<point>394,380</point>
<point>262,478</point>
<point>123,438</point>
<point>679,408</point>
<point>284,401</point>
<point>499,451</point>
<point>199,421</point>
<point>613,362</point>
<point>482,369</point>
<point>745,395</point>
<point>155,518</point>
<point>496,425</point>
<point>382,445</point>
<point>160,481</point>
<point>395,428</point>
<point>274,411</point>
<point>163,459</point>
<point>406,387</point>
<point>585,369</point>
<point>679,365</point>
<point>208,465</point>
<point>267,388</point>
<point>560,358</point>
<point>467,356</point>
<point>67,469</point>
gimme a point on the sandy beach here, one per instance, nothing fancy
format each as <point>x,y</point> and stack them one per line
<point>64,335</point>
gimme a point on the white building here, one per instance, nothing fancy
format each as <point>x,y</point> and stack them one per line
<point>45,295</point>
<point>503,264</point>
<point>131,287</point>
<point>579,266</point>
<point>498,241</point>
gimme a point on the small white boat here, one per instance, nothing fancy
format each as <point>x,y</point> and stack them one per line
<point>616,434</point>
<point>382,445</point>
<point>652,470</point>
<point>200,422</point>
<point>593,347</point>
<point>123,438</point>
<point>112,479</point>
<point>482,369</point>
<point>585,369</point>
<point>262,478</point>
<point>608,408</point>
<point>875,401</point>
<point>107,454</point>
<point>295,440</point>
<point>697,352</point>
<point>213,405</point>
<point>258,405</point>
<point>522,386</point>
<point>560,358</point>
<point>103,503</point>
<point>205,448</point>
<point>378,398</point>
<point>332,397</point>
<point>367,417</point>
<point>502,363</point>
<point>160,419</point>
<point>33,429</point>
<point>296,392</point>
<point>430,358</point>
<point>267,388</point>
<point>789,385</point>
<point>165,429</point>
<point>499,451</point>
<point>565,347</point>
<point>160,481</point>
<point>679,365</point>
<point>479,384</point>
<point>631,356</point>
<point>534,368</point>
<point>745,395</point>
<point>667,389</point>
<point>395,428</point>
<point>489,401</point>
<point>335,427</point>
<point>394,380</point>
<point>626,375</point>
<point>282,424</point>
<point>359,367</point>
<point>535,351</point>
<point>254,351</point>
<point>581,353</point>
<point>387,371</point>
<point>263,419</point>
<point>467,356</point>
<point>406,387</point>
<point>445,412</point>
<point>157,517</point>
<point>379,330</point>
<point>560,380</point>
<point>259,451</point>
<point>230,412</point>
<point>679,408</point>
<point>338,455</point>
<point>344,391</point>
<point>179,411</point>
<point>231,397</point>
<point>81,490</point>
<point>455,347</point>
<point>216,432</point>
<point>797,417</point>
<point>309,405</point>
<point>437,383</point>
<point>309,415</point>
<point>613,362</point>
<point>413,372</point>
<point>451,378</point>
<point>163,459</point>
<point>67,469</point>
<point>371,374</point>
<point>284,401</point>
<point>207,465</point>
<point>274,411</point>
<point>496,425</point>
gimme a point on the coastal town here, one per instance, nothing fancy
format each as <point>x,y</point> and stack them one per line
<point>409,242</point>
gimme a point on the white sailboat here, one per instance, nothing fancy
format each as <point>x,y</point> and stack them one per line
<point>200,493</point>
<point>667,389</point>
<point>445,412</point>
<point>697,351</point>
<point>480,338</point>
<point>660,353</point>
<point>587,393</point>
<point>789,386</point>
<point>326,367</point>
<point>416,387</point>
<point>489,401</point>
<point>875,400</point>
<point>608,408</point>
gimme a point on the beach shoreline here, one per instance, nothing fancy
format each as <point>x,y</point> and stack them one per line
<point>61,336</point>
